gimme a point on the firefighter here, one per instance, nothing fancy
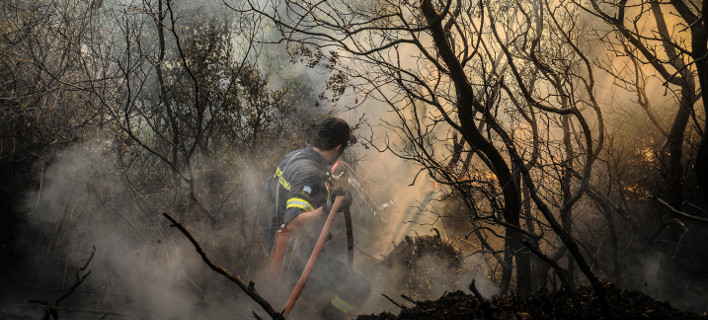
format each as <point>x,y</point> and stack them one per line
<point>302,196</point>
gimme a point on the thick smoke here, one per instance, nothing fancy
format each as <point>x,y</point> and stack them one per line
<point>142,269</point>
<point>393,207</point>
<point>145,269</point>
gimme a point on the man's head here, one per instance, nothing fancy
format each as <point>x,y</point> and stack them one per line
<point>331,133</point>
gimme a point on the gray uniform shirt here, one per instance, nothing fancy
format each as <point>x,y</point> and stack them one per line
<point>298,185</point>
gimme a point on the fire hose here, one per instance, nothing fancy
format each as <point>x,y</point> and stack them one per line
<point>350,237</point>
<point>313,258</point>
<point>348,223</point>
<point>281,245</point>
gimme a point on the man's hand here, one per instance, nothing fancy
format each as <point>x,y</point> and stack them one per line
<point>346,202</point>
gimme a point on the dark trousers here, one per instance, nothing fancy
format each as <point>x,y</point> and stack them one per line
<point>334,282</point>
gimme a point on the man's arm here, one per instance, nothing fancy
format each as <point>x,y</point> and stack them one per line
<point>305,218</point>
<point>310,216</point>
<point>305,198</point>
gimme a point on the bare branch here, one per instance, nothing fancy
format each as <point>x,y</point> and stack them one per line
<point>250,289</point>
<point>676,211</point>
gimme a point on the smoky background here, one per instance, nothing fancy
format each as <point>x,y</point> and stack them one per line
<point>154,108</point>
<point>121,124</point>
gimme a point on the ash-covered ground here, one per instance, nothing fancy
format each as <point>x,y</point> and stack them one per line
<point>624,305</point>
<point>418,280</point>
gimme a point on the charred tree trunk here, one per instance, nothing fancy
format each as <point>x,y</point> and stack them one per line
<point>674,149</point>
<point>524,282</point>
<point>699,33</point>
<point>535,281</point>
<point>466,105</point>
<point>566,179</point>
<point>676,135</point>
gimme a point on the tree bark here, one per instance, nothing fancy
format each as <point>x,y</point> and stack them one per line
<point>466,105</point>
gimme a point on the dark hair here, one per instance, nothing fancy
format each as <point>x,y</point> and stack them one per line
<point>331,133</point>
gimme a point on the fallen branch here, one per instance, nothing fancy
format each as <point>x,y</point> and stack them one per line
<point>409,299</point>
<point>394,302</point>
<point>52,309</point>
<point>249,289</point>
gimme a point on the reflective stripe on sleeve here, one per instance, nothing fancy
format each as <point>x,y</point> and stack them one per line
<point>298,203</point>
<point>342,305</point>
